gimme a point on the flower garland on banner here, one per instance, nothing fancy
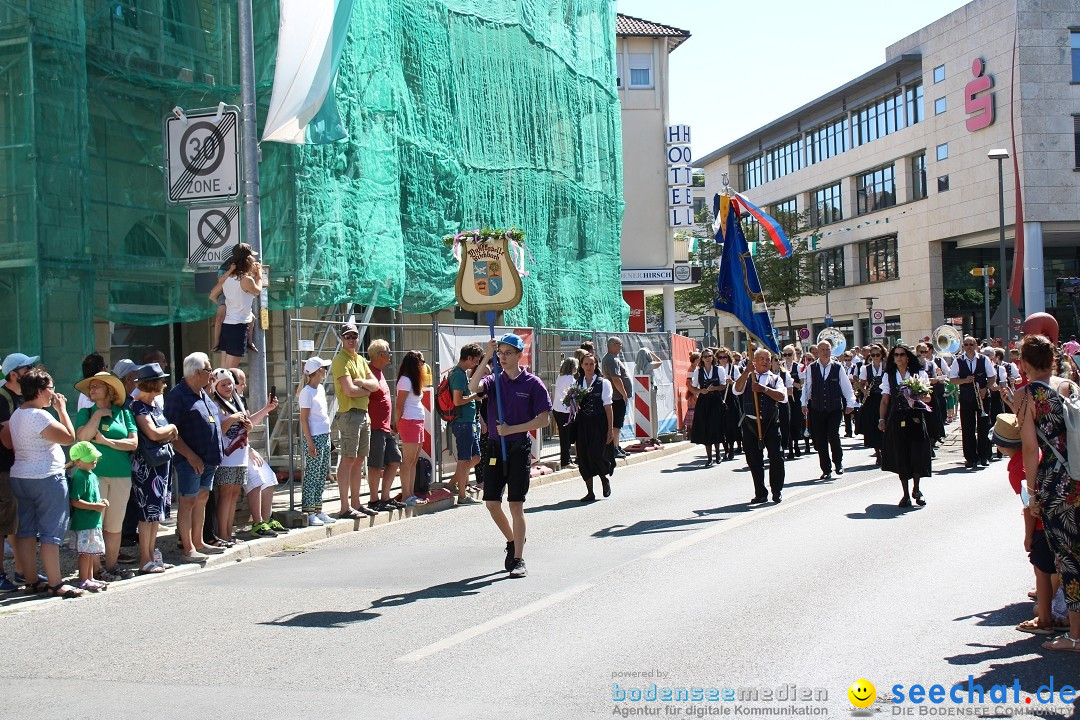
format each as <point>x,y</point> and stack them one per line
<point>913,390</point>
<point>515,243</point>
<point>575,396</point>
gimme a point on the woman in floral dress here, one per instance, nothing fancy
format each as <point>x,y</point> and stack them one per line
<point>905,447</point>
<point>1055,496</point>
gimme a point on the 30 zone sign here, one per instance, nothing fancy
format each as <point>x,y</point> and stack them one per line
<point>201,156</point>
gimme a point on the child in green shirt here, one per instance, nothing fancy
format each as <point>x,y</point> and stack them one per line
<point>87,507</point>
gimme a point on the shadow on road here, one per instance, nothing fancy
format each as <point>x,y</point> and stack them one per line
<point>1009,615</point>
<point>733,508</point>
<point>339,619</point>
<point>878,511</point>
<point>698,464</point>
<point>561,505</point>
<point>648,527</point>
<point>1014,662</point>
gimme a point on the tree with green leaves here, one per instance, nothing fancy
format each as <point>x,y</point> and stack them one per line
<point>786,280</point>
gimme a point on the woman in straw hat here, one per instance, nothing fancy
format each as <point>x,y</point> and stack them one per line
<point>111,428</point>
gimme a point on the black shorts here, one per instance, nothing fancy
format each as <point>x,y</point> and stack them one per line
<point>233,339</point>
<point>1041,556</point>
<point>516,477</point>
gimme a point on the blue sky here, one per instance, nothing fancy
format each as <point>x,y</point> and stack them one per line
<point>748,63</point>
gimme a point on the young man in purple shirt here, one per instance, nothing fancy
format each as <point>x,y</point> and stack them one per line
<point>526,406</point>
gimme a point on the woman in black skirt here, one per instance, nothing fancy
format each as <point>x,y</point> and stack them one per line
<point>732,417</point>
<point>594,434</point>
<point>905,448</point>
<point>870,375</point>
<point>708,385</point>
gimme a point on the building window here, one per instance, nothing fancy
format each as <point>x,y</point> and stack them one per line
<point>826,206</point>
<point>918,177</point>
<point>913,97</point>
<point>783,159</point>
<point>699,205</point>
<point>943,183</point>
<point>1076,141</point>
<point>826,141</point>
<point>943,151</point>
<point>786,212</point>
<point>829,268</point>
<point>618,69</point>
<point>878,260</point>
<point>939,106</point>
<point>752,173</point>
<point>1074,37</point>
<point>641,70</point>
<point>939,73</point>
<point>878,119</point>
<point>877,190</point>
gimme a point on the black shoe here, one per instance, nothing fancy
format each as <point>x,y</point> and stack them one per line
<point>363,509</point>
<point>825,476</point>
<point>378,506</point>
<point>776,498</point>
<point>971,465</point>
<point>918,498</point>
<point>984,462</point>
<point>905,502</point>
<point>758,500</point>
<point>517,570</point>
<point>791,456</point>
<point>587,499</point>
<point>709,463</point>
<point>839,469</point>
<point>607,486</point>
<point>798,454</point>
<point>509,561</point>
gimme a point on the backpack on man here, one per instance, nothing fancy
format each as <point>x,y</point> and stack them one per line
<point>444,398</point>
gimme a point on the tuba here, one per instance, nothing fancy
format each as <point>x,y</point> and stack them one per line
<point>834,336</point>
<point>947,339</point>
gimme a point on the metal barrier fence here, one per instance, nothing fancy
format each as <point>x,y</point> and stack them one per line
<point>545,349</point>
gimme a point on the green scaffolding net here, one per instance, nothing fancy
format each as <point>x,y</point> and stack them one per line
<point>461,113</point>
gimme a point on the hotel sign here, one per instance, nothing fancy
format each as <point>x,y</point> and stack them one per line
<point>680,198</point>
<point>652,275</point>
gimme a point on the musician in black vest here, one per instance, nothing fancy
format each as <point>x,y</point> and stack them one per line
<point>768,391</point>
<point>938,372</point>
<point>974,373</point>
<point>827,396</point>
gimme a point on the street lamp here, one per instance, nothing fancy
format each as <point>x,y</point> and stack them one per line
<point>870,319</point>
<point>1000,154</point>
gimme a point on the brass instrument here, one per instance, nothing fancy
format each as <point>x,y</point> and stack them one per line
<point>947,339</point>
<point>836,338</point>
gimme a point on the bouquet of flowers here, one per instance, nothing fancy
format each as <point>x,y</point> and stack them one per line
<point>912,390</point>
<point>575,396</point>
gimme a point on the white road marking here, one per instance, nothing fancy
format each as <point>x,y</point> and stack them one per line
<point>469,633</point>
<point>659,553</point>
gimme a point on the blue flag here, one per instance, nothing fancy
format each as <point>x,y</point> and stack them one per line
<point>738,289</point>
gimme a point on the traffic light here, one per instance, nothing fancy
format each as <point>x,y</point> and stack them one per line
<point>978,271</point>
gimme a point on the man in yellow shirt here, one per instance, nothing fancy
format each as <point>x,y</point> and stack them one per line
<point>353,382</point>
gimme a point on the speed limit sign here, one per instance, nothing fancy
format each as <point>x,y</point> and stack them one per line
<point>202,158</point>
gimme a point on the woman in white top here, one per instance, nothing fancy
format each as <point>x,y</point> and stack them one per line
<point>708,384</point>
<point>595,436</point>
<point>37,478</point>
<point>315,425</point>
<point>563,383</point>
<point>905,446</point>
<point>409,420</point>
<point>241,285</point>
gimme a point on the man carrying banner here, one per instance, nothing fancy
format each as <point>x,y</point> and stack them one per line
<point>826,389</point>
<point>761,424</point>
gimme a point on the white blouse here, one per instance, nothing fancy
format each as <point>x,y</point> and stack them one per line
<point>885,387</point>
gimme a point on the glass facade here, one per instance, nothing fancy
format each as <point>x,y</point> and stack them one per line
<point>826,141</point>
<point>918,177</point>
<point>878,260</point>
<point>826,206</point>
<point>1074,42</point>
<point>877,190</point>
<point>893,112</point>
<point>829,268</point>
<point>752,173</point>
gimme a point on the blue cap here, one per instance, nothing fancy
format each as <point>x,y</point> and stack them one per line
<point>17,360</point>
<point>513,341</point>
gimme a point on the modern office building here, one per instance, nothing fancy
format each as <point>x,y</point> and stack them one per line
<point>892,172</point>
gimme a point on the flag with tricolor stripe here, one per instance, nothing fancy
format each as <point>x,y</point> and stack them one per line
<point>311,36</point>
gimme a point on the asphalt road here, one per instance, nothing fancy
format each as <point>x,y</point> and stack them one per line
<point>673,575</point>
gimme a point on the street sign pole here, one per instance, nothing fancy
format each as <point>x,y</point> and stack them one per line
<point>250,191</point>
<point>986,300</point>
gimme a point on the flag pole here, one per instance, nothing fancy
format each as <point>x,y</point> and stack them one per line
<point>750,364</point>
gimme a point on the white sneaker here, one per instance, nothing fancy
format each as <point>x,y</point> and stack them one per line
<point>314,520</point>
<point>327,520</point>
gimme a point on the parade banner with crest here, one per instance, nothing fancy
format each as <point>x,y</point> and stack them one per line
<point>488,277</point>
<point>490,265</point>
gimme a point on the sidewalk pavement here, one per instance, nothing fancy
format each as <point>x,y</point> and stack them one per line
<point>251,546</point>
